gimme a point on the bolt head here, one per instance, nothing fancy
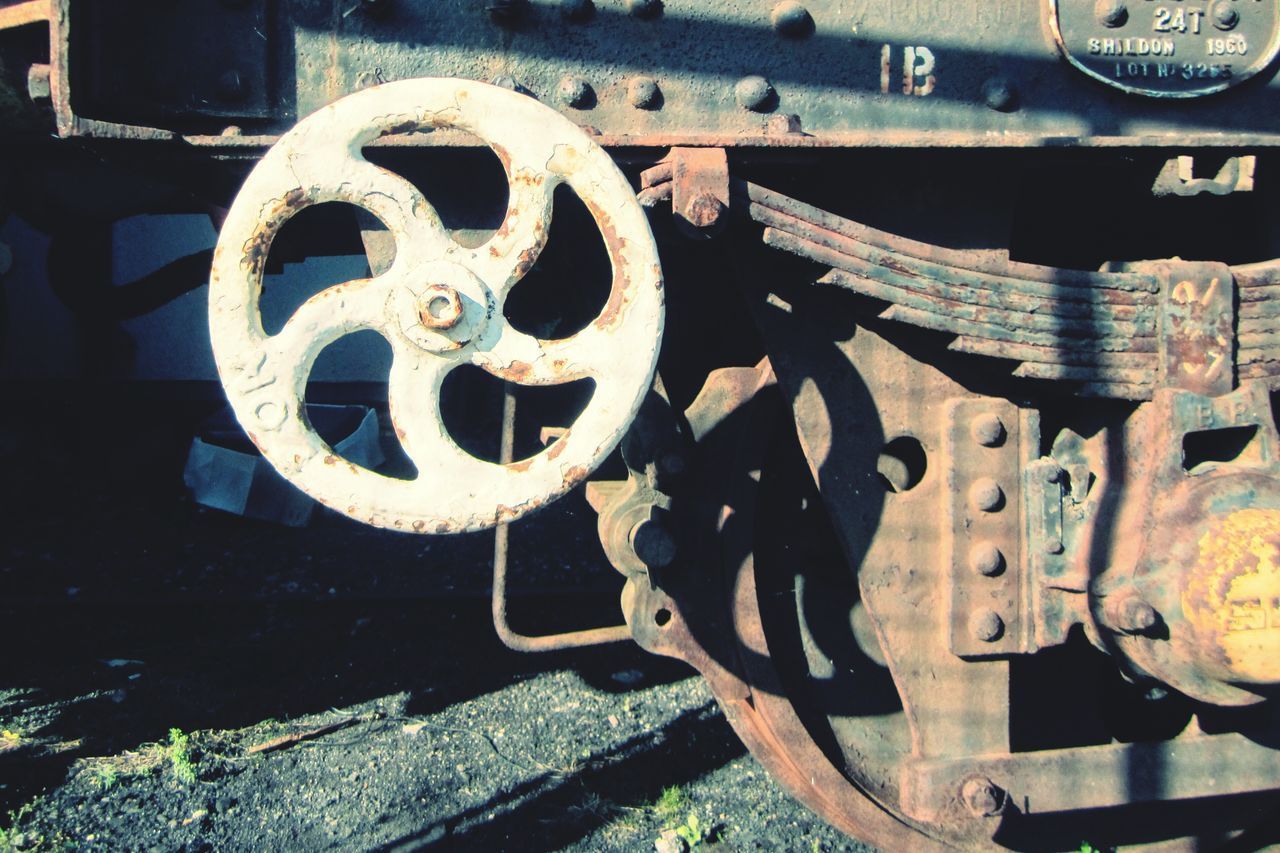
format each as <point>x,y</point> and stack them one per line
<point>643,93</point>
<point>782,124</point>
<point>1225,16</point>
<point>755,93</point>
<point>985,495</point>
<point>791,19</point>
<point>1135,616</point>
<point>703,210</point>
<point>986,559</point>
<point>1111,13</point>
<point>987,626</point>
<point>575,92</point>
<point>982,797</point>
<point>645,8</point>
<point>439,307</point>
<point>988,430</point>
<point>577,10</point>
<point>653,543</point>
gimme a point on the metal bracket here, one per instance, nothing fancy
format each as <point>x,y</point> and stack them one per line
<point>1059,780</point>
<point>985,440</point>
<point>1197,327</point>
<point>1177,177</point>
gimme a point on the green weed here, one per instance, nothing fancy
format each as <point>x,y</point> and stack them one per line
<point>179,753</point>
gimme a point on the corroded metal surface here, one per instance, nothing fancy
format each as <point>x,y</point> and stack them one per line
<point>910,73</point>
<point>265,374</point>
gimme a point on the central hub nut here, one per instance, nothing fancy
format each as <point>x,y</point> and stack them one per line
<point>439,307</point>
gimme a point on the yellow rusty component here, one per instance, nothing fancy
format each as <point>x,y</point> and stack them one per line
<point>1232,596</point>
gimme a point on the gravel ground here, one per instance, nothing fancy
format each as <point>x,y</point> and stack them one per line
<point>175,678</point>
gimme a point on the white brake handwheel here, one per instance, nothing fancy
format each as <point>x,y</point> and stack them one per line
<point>439,305</point>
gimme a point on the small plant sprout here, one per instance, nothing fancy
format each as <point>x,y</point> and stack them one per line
<point>179,751</point>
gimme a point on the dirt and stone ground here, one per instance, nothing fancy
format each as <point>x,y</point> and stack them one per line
<point>152,653</point>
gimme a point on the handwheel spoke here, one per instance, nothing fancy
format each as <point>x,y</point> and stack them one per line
<point>330,314</point>
<point>413,397</point>
<point>419,233</point>
<point>512,251</point>
<point>526,360</point>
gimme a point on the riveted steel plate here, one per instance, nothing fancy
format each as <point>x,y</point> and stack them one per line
<point>1168,48</point>
<point>723,73</point>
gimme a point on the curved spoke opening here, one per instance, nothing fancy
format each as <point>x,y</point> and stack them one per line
<point>471,406</point>
<point>569,284</point>
<point>317,248</point>
<point>348,379</point>
<point>466,186</point>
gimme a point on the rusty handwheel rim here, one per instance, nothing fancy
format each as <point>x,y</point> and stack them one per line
<point>439,305</point>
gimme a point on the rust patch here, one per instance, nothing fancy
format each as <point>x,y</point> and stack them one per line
<point>330,459</point>
<point>556,448</point>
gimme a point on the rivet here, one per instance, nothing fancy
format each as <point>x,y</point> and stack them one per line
<point>755,93</point>
<point>986,559</point>
<point>1111,13</point>
<point>1000,95</point>
<point>987,429</point>
<point>643,93</point>
<point>986,496</point>
<point>577,10</point>
<point>645,8</point>
<point>1225,16</point>
<point>231,86</point>
<point>1131,614</point>
<point>791,19</point>
<point>987,626</point>
<point>575,92</point>
<point>982,797</point>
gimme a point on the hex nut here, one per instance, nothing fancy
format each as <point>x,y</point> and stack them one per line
<point>643,93</point>
<point>782,124</point>
<point>791,19</point>
<point>703,210</point>
<point>988,430</point>
<point>755,93</point>
<point>439,307</point>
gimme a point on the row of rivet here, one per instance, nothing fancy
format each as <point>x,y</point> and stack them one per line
<point>753,93</point>
<point>789,18</point>
<point>985,495</point>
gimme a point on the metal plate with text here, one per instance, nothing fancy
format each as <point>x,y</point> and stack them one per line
<point>1168,48</point>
